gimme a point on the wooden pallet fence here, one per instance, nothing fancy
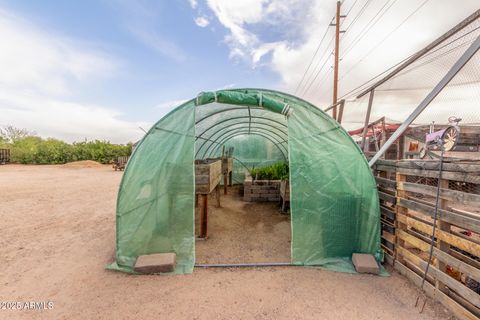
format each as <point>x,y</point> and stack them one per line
<point>407,193</point>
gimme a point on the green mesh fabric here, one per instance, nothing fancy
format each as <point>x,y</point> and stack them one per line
<point>334,202</point>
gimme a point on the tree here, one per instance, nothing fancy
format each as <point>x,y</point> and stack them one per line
<point>12,134</point>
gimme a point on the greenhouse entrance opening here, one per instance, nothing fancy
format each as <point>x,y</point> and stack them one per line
<point>334,208</point>
<point>242,223</point>
<point>241,163</point>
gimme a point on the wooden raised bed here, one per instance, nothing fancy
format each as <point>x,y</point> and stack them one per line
<point>227,169</point>
<point>208,174</point>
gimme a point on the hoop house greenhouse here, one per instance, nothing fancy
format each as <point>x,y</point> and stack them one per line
<point>333,196</point>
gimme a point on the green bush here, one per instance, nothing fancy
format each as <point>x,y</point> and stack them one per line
<point>277,171</point>
<point>35,150</point>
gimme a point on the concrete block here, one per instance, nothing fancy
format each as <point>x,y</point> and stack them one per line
<point>365,263</point>
<point>156,263</point>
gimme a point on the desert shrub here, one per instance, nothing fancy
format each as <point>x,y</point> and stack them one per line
<point>35,150</point>
<point>276,171</point>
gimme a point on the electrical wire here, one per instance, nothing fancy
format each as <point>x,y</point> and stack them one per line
<point>308,84</point>
<point>369,26</point>
<point>317,74</point>
<point>313,57</point>
<point>326,54</point>
<point>356,64</point>
<point>361,87</point>
<point>359,14</point>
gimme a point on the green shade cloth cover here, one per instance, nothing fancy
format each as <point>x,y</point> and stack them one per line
<point>334,200</point>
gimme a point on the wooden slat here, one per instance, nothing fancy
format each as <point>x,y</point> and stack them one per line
<point>452,195</point>
<point>387,212</point>
<point>386,183</point>
<point>458,310</point>
<point>448,216</point>
<point>453,284</point>
<point>388,236</point>
<point>440,255</point>
<point>463,177</point>
<point>386,248</point>
<point>388,227</point>
<point>387,168</point>
<point>460,256</point>
<point>453,240</point>
<point>387,197</point>
<point>433,165</point>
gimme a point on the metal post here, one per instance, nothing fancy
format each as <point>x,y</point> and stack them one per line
<point>367,119</point>
<point>467,55</point>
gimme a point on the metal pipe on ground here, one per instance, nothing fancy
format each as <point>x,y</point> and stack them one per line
<point>244,265</point>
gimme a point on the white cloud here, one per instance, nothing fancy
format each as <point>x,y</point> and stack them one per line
<point>284,34</point>
<point>33,60</point>
<point>201,21</point>
<point>67,120</point>
<point>193,4</point>
<point>39,71</point>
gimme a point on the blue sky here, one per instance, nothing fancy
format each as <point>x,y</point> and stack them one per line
<point>99,69</point>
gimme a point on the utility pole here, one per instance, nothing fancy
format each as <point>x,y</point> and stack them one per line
<point>335,66</point>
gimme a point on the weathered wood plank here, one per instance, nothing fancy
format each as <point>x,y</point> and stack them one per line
<point>457,309</point>
<point>457,176</point>
<point>387,197</point>
<point>387,168</point>
<point>452,195</point>
<point>440,255</point>
<point>434,165</point>
<point>448,216</point>
<point>460,256</point>
<point>388,236</point>
<point>457,286</point>
<point>386,183</point>
<point>387,212</point>
<point>453,240</point>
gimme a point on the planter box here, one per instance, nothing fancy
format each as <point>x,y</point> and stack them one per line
<point>227,164</point>
<point>207,175</point>
<point>261,190</point>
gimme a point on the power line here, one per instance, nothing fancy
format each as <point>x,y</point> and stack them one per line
<point>321,80</point>
<point>357,16</point>
<point>361,87</point>
<point>313,57</point>
<point>307,88</point>
<point>316,71</point>
<point>349,10</point>
<point>309,81</point>
<point>369,26</point>
<point>385,38</point>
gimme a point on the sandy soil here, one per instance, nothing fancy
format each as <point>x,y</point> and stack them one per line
<point>242,232</point>
<point>57,234</point>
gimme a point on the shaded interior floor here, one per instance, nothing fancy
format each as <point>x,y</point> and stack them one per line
<point>244,232</point>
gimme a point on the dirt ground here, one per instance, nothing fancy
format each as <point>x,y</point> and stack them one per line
<point>58,233</point>
<point>243,232</point>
